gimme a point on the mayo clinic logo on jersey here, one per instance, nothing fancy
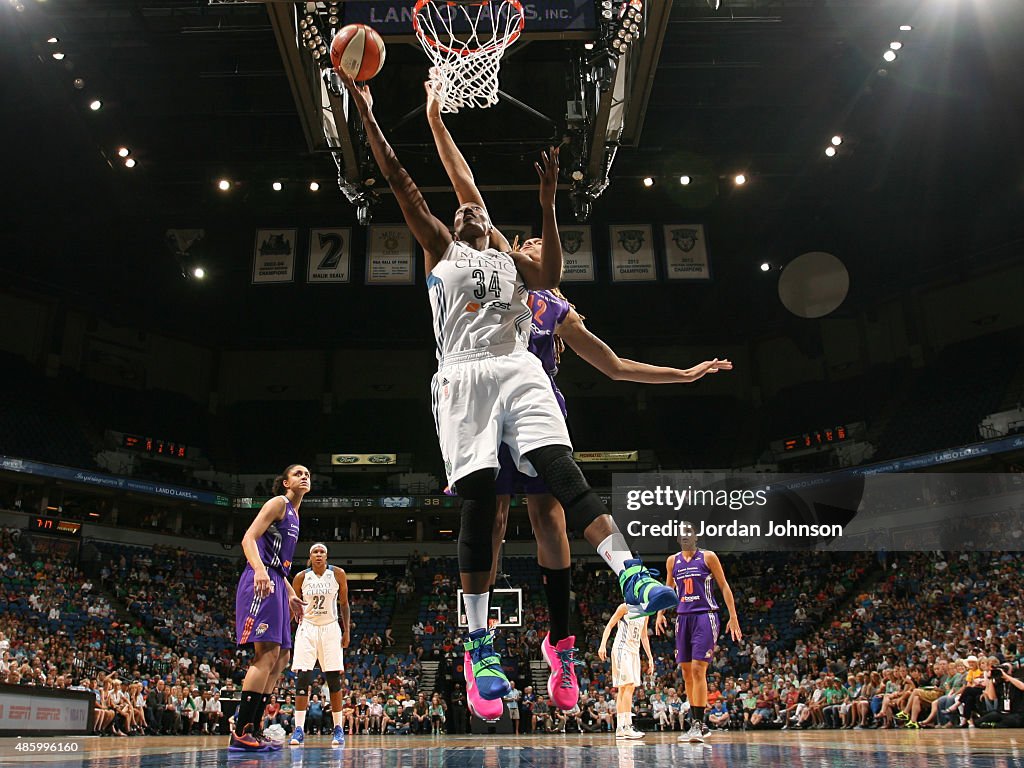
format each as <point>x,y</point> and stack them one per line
<point>685,239</point>
<point>572,240</point>
<point>632,239</point>
<point>503,264</point>
<point>262,628</point>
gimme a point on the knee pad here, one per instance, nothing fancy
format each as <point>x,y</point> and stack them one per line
<point>479,508</point>
<point>303,681</point>
<point>562,474</point>
<point>333,681</point>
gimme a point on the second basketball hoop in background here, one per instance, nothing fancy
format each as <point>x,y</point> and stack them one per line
<point>358,51</point>
<point>465,39</point>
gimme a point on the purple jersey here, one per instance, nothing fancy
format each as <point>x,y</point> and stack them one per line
<point>277,544</point>
<point>695,584</point>
<point>548,311</point>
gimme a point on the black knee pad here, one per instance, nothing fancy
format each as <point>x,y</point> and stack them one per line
<point>333,681</point>
<point>479,508</point>
<point>560,471</point>
<point>303,680</point>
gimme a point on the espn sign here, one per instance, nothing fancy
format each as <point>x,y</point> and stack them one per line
<point>363,459</point>
<point>44,711</point>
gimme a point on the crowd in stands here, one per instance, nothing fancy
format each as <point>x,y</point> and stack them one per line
<point>847,640</point>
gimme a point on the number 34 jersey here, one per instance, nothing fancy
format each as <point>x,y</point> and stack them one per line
<point>479,301</point>
<point>321,596</point>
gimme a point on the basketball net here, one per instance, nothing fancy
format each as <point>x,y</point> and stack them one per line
<point>466,40</point>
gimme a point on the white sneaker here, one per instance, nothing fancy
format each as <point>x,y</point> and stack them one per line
<point>635,732</point>
<point>695,735</point>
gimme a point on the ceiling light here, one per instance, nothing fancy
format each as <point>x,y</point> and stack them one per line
<point>740,179</point>
<point>58,56</point>
<point>123,152</point>
<point>277,186</point>
<point>889,55</point>
<point>588,46</point>
<point>224,185</point>
<point>648,181</point>
<point>895,45</point>
<point>53,40</point>
<point>198,273</point>
<point>684,180</point>
<point>905,27</point>
<point>830,151</point>
<point>837,140</point>
<point>765,266</point>
<point>314,186</point>
<point>95,105</point>
<point>129,163</point>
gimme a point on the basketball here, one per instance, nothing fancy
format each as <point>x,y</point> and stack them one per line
<point>357,51</point>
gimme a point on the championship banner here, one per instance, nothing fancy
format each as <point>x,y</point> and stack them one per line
<point>350,459</point>
<point>577,254</point>
<point>632,253</point>
<point>523,231</point>
<point>606,457</point>
<point>390,256</point>
<point>330,255</point>
<point>274,260</point>
<point>686,252</point>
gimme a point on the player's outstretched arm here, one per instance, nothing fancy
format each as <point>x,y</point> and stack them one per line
<point>715,566</point>
<point>432,235</point>
<point>547,272</point>
<point>592,349</point>
<point>455,165</point>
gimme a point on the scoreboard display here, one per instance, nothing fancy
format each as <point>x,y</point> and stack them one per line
<point>55,526</point>
<point>154,446</point>
<point>825,436</point>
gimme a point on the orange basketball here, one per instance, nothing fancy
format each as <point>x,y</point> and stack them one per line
<point>358,51</point>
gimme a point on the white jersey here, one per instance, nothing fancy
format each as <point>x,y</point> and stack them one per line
<point>321,596</point>
<point>479,303</point>
<point>629,632</point>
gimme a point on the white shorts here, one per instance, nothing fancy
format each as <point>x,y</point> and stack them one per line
<point>323,642</point>
<point>625,666</point>
<point>479,404</point>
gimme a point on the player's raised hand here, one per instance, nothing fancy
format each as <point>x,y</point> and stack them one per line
<point>433,105</point>
<point>547,170</point>
<point>710,366</point>
<point>361,95</point>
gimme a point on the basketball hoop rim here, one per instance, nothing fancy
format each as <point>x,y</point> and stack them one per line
<point>426,38</point>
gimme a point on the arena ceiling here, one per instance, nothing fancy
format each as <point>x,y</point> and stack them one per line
<point>928,178</point>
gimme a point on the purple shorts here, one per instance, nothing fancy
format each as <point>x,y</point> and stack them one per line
<point>696,635</point>
<point>266,619</point>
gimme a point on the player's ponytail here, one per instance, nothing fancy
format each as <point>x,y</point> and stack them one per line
<point>278,487</point>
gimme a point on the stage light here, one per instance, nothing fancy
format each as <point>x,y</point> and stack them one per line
<point>223,185</point>
<point>837,140</point>
<point>895,45</point>
<point>684,180</point>
<point>53,40</point>
<point>313,186</point>
<point>129,163</point>
<point>765,266</point>
<point>198,273</point>
<point>277,186</point>
<point>58,56</point>
<point>889,55</point>
<point>740,179</point>
<point>123,152</point>
<point>830,151</point>
<point>95,105</point>
<point>905,27</point>
<point>648,181</point>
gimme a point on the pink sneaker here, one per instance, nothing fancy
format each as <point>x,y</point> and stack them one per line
<point>480,653</point>
<point>563,687</point>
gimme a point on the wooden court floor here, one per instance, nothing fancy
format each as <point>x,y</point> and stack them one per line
<point>813,749</point>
